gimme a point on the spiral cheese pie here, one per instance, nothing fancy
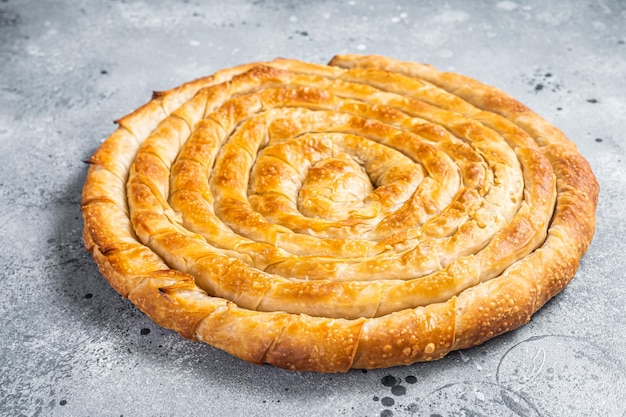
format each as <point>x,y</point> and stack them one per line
<point>363,214</point>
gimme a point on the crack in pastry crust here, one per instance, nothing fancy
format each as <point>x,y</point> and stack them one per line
<point>362,214</point>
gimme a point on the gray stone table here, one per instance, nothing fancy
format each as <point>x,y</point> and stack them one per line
<point>71,346</point>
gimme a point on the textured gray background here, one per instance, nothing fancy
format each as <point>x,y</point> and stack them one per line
<point>70,346</point>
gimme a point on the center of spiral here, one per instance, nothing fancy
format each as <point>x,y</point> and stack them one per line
<point>335,188</point>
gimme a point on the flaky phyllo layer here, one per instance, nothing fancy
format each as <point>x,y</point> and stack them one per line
<point>364,214</point>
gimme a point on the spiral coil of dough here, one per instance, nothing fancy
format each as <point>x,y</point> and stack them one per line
<point>362,214</point>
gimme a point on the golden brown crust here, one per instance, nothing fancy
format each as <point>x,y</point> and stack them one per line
<point>368,213</point>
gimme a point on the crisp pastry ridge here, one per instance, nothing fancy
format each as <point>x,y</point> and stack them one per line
<point>363,214</point>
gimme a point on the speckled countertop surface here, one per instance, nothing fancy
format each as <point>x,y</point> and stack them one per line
<point>70,346</point>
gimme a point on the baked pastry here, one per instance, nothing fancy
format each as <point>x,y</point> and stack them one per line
<point>362,214</point>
